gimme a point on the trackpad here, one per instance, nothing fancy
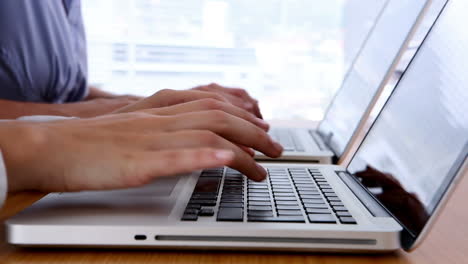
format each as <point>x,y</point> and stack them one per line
<point>161,187</point>
<point>144,205</point>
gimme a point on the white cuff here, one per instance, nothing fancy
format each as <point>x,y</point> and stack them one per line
<point>3,181</point>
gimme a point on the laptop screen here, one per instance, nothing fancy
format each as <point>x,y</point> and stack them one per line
<point>420,138</point>
<point>370,69</point>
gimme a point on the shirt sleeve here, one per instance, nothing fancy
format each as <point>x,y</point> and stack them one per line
<point>3,173</point>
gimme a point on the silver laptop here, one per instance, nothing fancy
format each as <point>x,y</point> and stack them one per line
<point>361,87</point>
<point>386,199</point>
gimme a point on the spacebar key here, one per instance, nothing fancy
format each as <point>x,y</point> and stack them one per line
<point>230,214</point>
<point>280,219</point>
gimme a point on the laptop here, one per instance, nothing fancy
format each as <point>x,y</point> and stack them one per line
<point>386,198</point>
<point>374,65</point>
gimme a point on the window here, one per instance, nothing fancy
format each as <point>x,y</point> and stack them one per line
<point>287,53</point>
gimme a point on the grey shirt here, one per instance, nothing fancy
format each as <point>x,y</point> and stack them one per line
<point>42,51</point>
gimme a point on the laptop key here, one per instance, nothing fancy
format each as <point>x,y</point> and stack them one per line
<point>279,219</point>
<point>230,214</point>
<point>287,203</point>
<point>259,199</point>
<point>347,220</point>
<point>309,192</point>
<point>339,208</point>
<point>282,191</point>
<point>316,206</point>
<point>231,205</point>
<point>343,213</point>
<point>313,201</point>
<point>204,202</point>
<point>289,212</point>
<point>279,194</point>
<point>287,207</point>
<point>318,196</point>
<point>285,198</point>
<point>259,213</point>
<point>234,196</point>
<point>231,200</point>
<point>191,211</point>
<point>206,212</point>
<point>259,203</point>
<point>193,206</point>
<point>317,211</point>
<point>259,195</point>
<point>322,218</point>
<point>189,217</point>
<point>261,208</point>
<point>251,188</point>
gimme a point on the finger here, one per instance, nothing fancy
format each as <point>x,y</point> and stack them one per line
<point>189,139</point>
<point>178,97</point>
<point>147,166</point>
<point>237,96</point>
<point>247,150</point>
<point>169,97</point>
<point>230,127</point>
<point>209,104</point>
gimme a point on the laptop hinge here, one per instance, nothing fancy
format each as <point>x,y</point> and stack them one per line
<point>366,199</point>
<point>321,145</point>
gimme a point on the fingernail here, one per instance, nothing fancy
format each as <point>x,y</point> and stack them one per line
<point>224,155</point>
<point>278,146</point>
<point>262,122</point>
<point>262,172</point>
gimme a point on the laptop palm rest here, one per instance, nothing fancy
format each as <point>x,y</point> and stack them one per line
<point>152,203</point>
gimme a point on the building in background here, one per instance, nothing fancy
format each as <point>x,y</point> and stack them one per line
<point>287,53</point>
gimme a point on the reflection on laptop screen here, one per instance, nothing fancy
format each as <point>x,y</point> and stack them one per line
<point>368,72</point>
<point>420,138</point>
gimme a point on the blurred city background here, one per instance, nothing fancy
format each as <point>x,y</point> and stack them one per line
<point>290,54</point>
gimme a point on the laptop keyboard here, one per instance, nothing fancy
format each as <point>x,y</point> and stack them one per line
<point>294,195</point>
<point>287,139</point>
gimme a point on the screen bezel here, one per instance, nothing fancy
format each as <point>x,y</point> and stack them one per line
<point>363,120</point>
<point>408,239</point>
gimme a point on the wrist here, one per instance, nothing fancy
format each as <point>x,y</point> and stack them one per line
<point>20,142</point>
<point>95,107</point>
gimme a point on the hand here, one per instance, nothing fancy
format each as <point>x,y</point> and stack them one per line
<point>127,150</point>
<point>236,96</point>
<point>167,97</point>
<point>206,105</point>
<point>167,102</point>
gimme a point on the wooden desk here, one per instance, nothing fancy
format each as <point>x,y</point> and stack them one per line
<point>447,243</point>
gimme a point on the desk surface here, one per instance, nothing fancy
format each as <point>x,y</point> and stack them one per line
<point>447,243</point>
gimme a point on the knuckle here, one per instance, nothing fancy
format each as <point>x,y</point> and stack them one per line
<point>239,92</point>
<point>213,85</point>
<point>212,104</point>
<point>218,97</point>
<point>208,138</point>
<point>164,92</point>
<point>219,117</point>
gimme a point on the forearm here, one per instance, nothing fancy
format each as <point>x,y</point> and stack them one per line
<point>96,93</point>
<point>14,109</point>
